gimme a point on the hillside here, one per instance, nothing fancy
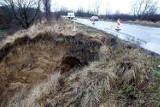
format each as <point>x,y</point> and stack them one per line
<point>52,66</point>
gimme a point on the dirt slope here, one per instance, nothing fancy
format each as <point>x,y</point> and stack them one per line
<point>51,68</point>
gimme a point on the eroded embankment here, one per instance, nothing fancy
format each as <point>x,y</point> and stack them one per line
<point>93,69</point>
<point>27,61</point>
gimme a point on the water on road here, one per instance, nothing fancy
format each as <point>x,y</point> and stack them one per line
<point>144,36</point>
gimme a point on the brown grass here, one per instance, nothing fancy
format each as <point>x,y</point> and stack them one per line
<point>145,23</point>
<point>51,66</point>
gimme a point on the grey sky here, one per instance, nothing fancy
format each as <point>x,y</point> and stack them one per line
<point>124,6</point>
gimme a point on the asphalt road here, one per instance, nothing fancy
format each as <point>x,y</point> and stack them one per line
<point>144,36</point>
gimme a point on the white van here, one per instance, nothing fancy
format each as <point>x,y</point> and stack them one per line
<point>70,15</point>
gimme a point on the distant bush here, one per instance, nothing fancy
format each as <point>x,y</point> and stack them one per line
<point>59,13</point>
<point>81,13</point>
<point>5,18</point>
<point>153,18</point>
<point>126,17</point>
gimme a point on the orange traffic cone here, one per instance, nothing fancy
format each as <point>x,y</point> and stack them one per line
<point>118,25</point>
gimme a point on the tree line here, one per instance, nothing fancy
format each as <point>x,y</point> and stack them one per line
<point>24,13</point>
<point>145,10</point>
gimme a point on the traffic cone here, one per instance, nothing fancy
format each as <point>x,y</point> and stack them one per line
<point>118,25</point>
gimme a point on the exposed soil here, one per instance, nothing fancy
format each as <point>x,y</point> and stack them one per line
<point>55,67</point>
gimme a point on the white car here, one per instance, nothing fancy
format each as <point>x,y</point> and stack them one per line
<point>94,18</point>
<point>70,15</point>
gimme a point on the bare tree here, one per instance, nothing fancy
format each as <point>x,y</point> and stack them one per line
<point>47,9</point>
<point>107,12</point>
<point>96,6</point>
<point>144,7</point>
<point>90,11</point>
<point>24,11</point>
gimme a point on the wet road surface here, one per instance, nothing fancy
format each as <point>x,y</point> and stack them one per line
<point>144,36</point>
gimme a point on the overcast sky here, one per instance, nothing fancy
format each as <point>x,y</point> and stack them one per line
<point>124,6</point>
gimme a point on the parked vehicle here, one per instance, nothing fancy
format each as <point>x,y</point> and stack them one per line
<point>94,18</point>
<point>70,15</point>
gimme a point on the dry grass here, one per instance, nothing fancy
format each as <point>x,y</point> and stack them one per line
<point>34,30</point>
<point>109,83</point>
<point>146,23</point>
<point>55,67</point>
<point>30,98</point>
<point>28,60</point>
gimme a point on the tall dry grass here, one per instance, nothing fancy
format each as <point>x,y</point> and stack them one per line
<point>104,83</point>
<point>116,75</point>
<point>25,98</point>
<point>111,81</point>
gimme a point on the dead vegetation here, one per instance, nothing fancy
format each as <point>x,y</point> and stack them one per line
<point>58,70</point>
